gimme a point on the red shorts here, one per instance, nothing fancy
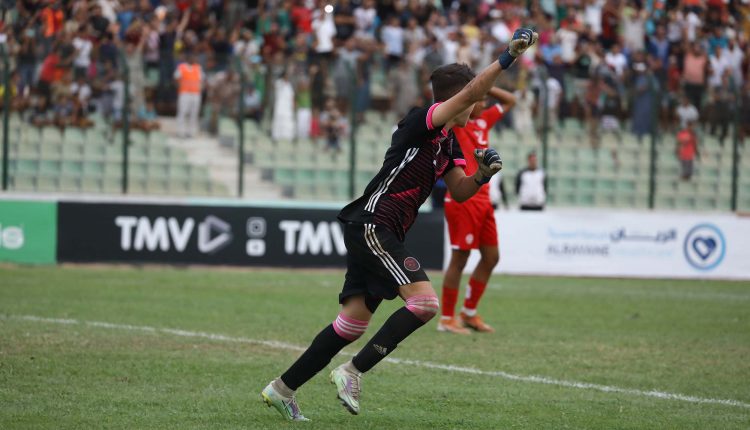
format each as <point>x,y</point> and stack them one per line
<point>471,224</point>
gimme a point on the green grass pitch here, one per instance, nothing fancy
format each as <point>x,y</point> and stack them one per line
<point>689,338</point>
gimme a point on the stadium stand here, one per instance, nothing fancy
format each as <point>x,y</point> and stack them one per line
<point>579,175</point>
<point>47,159</point>
<point>301,71</point>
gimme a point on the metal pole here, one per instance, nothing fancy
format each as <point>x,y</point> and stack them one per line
<point>545,119</point>
<point>652,153</point>
<point>125,123</point>
<point>6,114</point>
<point>735,145</point>
<point>241,130</point>
<point>352,138</point>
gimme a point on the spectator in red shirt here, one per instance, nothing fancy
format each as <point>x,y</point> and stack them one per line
<point>610,22</point>
<point>687,150</point>
<point>301,17</point>
<point>273,42</point>
<point>51,72</point>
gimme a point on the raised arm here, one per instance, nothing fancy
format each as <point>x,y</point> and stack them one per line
<point>183,22</point>
<point>144,34</point>
<point>506,98</point>
<point>477,89</point>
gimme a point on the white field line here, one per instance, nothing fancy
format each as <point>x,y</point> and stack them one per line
<point>424,364</point>
<point>622,292</point>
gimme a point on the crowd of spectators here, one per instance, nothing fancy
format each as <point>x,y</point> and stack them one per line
<point>313,65</point>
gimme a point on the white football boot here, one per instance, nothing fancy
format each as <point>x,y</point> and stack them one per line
<point>348,383</point>
<point>287,406</point>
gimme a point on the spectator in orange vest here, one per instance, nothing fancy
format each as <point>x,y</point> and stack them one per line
<point>52,18</point>
<point>189,76</point>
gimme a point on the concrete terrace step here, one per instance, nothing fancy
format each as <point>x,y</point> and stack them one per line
<point>221,162</point>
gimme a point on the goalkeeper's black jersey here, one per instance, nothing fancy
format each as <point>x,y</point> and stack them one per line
<point>419,155</point>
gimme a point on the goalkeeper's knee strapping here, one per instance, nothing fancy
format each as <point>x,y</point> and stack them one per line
<point>424,307</point>
<point>349,328</point>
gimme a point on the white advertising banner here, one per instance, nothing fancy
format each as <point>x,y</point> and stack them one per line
<point>622,244</point>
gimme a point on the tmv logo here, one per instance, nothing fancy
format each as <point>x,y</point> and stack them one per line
<point>164,234</point>
<point>305,237</point>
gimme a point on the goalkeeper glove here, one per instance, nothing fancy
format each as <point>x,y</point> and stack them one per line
<point>522,39</point>
<point>489,163</point>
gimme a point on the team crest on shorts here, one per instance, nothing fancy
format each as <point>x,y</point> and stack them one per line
<point>469,238</point>
<point>411,264</point>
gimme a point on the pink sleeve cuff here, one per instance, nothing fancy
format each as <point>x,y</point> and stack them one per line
<point>430,125</point>
<point>500,107</point>
<point>459,162</point>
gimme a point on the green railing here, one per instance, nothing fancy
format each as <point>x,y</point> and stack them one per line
<point>123,66</point>
<point>237,65</point>
<point>353,137</point>
<point>654,88</point>
<point>737,121</point>
<point>6,113</point>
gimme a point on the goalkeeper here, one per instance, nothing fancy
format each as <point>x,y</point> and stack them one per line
<point>423,149</point>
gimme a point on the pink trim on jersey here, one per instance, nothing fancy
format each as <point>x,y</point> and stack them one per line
<point>459,162</point>
<point>349,328</point>
<point>430,125</point>
<point>424,307</point>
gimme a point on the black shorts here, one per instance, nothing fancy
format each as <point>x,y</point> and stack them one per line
<point>377,263</point>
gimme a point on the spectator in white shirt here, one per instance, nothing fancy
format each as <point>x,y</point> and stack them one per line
<point>499,28</point>
<point>736,58</point>
<point>82,91</point>
<point>450,48</point>
<point>325,30</point>
<point>720,63</point>
<point>554,96</point>
<point>568,38</point>
<point>414,33</point>
<point>523,111</point>
<point>592,15</point>
<point>246,47</point>
<point>634,29</point>
<point>83,46</point>
<point>617,60</point>
<point>675,26</point>
<point>393,39</point>
<point>364,20</point>
<point>442,29</point>
<point>692,24</point>
<point>686,112</point>
<point>531,186</point>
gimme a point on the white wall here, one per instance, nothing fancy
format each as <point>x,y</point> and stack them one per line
<point>622,244</point>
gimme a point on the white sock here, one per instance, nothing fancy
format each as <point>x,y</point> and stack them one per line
<point>469,312</point>
<point>349,367</point>
<point>281,388</point>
